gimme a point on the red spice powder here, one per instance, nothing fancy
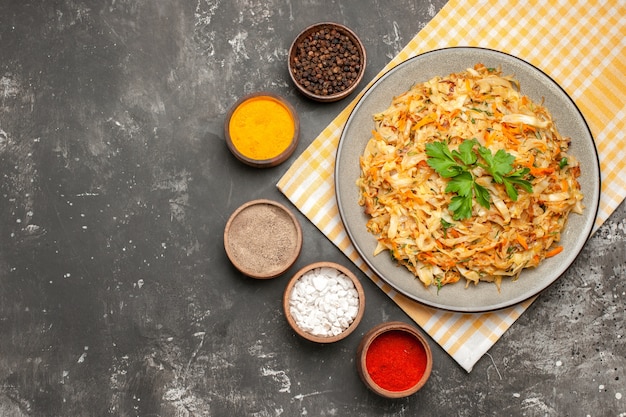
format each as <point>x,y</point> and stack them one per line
<point>395,360</point>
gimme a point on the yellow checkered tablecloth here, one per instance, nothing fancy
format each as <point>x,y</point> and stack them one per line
<point>580,44</point>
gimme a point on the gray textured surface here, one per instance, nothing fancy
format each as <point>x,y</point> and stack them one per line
<point>116,297</point>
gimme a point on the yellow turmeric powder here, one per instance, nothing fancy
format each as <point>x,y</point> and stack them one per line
<point>261,128</point>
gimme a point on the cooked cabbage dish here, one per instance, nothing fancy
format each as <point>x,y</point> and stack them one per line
<point>465,177</point>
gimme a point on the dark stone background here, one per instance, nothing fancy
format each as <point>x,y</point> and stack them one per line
<point>116,297</point>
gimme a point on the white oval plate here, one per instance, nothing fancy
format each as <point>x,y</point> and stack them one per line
<point>535,84</point>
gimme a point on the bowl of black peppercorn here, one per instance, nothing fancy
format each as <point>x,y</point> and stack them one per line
<point>327,61</point>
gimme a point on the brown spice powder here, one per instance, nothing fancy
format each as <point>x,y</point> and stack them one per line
<point>262,239</point>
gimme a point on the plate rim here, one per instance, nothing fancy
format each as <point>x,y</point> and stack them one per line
<point>594,206</point>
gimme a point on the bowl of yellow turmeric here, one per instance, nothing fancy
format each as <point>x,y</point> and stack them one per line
<point>262,129</point>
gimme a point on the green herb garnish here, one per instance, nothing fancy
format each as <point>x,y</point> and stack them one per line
<point>457,165</point>
<point>445,225</point>
<point>438,284</point>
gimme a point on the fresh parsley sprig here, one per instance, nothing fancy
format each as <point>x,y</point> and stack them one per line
<point>457,165</point>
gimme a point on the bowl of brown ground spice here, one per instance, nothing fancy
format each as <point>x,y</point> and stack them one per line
<point>327,61</point>
<point>262,239</point>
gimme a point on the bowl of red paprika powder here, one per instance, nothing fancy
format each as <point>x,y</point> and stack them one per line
<point>394,360</point>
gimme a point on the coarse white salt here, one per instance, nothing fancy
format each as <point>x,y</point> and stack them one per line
<point>324,302</point>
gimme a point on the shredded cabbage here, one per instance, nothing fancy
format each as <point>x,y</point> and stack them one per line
<point>406,199</point>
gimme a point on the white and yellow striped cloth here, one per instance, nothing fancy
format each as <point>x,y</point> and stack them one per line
<point>581,44</point>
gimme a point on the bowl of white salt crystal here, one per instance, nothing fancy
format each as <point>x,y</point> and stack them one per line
<point>324,302</point>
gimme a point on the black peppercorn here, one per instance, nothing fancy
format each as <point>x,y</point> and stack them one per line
<point>326,62</point>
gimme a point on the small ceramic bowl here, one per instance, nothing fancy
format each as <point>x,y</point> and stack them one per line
<point>262,239</point>
<point>262,130</point>
<point>416,351</point>
<point>337,295</point>
<point>327,61</point>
